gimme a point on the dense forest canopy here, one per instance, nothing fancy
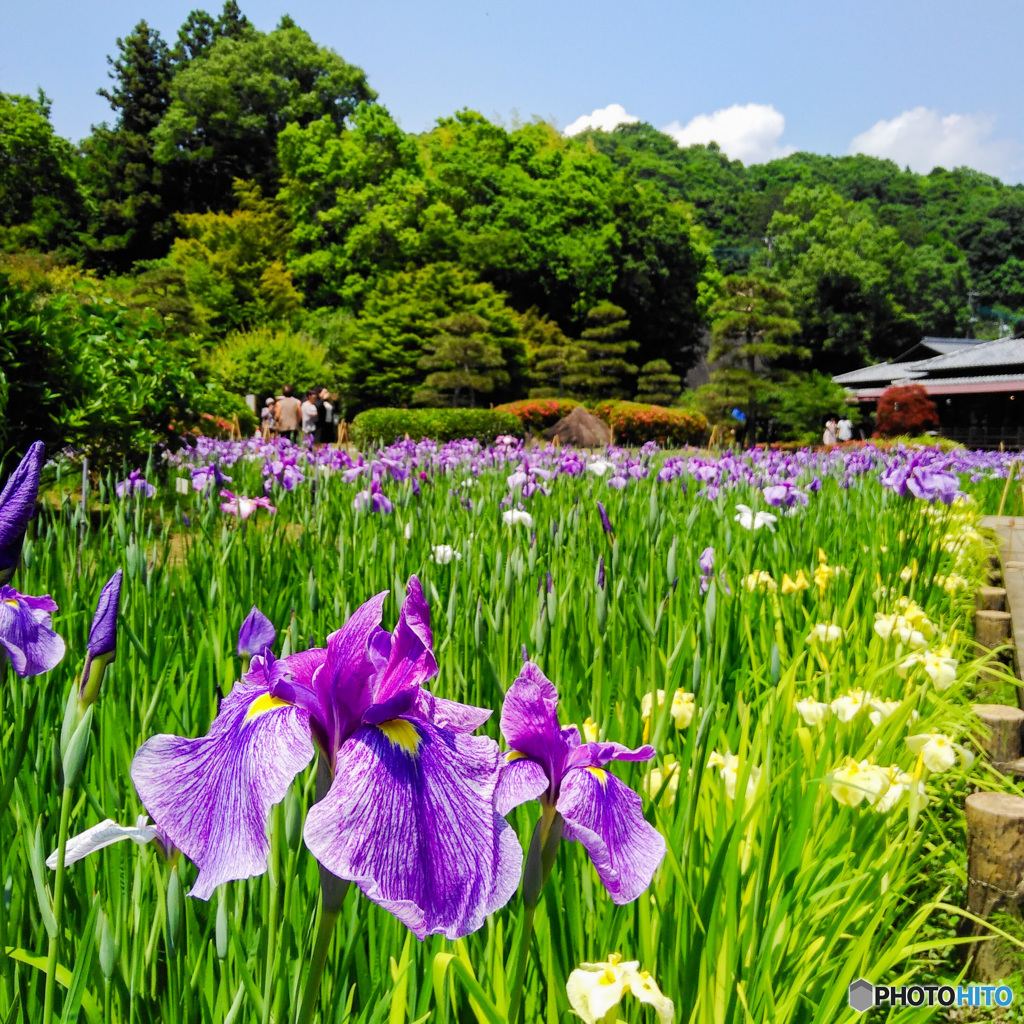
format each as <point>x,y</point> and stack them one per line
<point>251,193</point>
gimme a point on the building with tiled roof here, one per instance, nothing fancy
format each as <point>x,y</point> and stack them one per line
<point>978,386</point>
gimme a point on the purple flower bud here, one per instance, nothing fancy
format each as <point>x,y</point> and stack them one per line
<point>102,640</point>
<point>551,582</point>
<point>605,521</point>
<point>17,503</point>
<point>600,571</point>
<point>256,634</point>
<point>707,561</point>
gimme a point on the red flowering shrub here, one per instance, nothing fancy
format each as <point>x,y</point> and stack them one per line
<point>539,413</point>
<point>904,409</point>
<point>635,423</point>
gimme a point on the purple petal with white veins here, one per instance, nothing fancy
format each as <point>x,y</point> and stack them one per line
<point>410,819</point>
<point>333,684</point>
<point>212,796</point>
<point>410,661</point>
<point>606,816</point>
<point>25,634</point>
<point>449,714</point>
<point>255,633</point>
<point>529,721</point>
<point>521,780</point>
<point>597,755</point>
<point>17,506</point>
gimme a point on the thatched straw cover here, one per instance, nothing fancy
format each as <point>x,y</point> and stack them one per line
<point>580,428</point>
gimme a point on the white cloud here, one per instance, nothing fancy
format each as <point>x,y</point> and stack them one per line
<point>921,139</point>
<point>749,132</point>
<point>604,119</point>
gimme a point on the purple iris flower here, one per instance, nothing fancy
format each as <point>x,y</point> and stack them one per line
<point>134,483</point>
<point>102,645</point>
<point>606,523</point>
<point>207,475</point>
<point>373,500</point>
<point>17,503</point>
<point>255,634</point>
<point>706,563</point>
<point>409,815</point>
<point>550,763</point>
<point>25,634</point>
<point>784,495</point>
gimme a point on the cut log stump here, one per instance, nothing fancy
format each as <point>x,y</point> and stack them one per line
<point>995,871</point>
<point>1003,742</point>
<point>991,628</point>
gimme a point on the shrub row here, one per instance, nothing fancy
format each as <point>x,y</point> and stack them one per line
<point>385,426</point>
<point>635,423</point>
<point>538,414</point>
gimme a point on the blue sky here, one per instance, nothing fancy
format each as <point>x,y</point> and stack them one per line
<point>925,83</point>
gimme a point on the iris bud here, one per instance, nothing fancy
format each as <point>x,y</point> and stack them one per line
<point>17,504</point>
<point>102,644</point>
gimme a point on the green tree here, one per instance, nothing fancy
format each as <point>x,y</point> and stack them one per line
<point>603,372</point>
<point>847,275</point>
<point>752,328</point>
<point>466,360</point>
<point>657,384</point>
<point>134,198</point>
<point>260,362</point>
<point>381,348</point>
<point>90,373</point>
<point>234,263</point>
<point>42,204</point>
<point>549,354</point>
<point>227,110</point>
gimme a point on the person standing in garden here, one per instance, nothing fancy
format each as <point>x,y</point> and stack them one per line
<point>267,422</point>
<point>310,417</point>
<point>288,413</point>
<point>328,430</point>
<point>844,429</point>
<point>829,438</point>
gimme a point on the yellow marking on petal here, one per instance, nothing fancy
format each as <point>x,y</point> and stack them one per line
<point>607,978</point>
<point>12,602</point>
<point>600,774</point>
<point>263,704</point>
<point>513,755</point>
<point>401,733</point>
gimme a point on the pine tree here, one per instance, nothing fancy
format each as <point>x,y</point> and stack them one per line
<point>195,37</point>
<point>134,197</point>
<point>603,371</point>
<point>550,355</point>
<point>657,384</point>
<point>752,328</point>
<point>467,361</point>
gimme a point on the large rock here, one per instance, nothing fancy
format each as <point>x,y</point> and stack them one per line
<point>580,428</point>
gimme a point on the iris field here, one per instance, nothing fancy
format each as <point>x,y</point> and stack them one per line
<point>791,633</point>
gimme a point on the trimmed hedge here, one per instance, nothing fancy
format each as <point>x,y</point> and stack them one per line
<point>635,423</point>
<point>385,426</point>
<point>539,413</point>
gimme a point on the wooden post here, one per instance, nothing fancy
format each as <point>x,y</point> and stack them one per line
<point>1006,488</point>
<point>991,599</point>
<point>995,869</point>
<point>1003,743</point>
<point>991,628</point>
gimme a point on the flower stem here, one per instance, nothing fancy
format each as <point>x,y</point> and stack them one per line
<point>316,965</point>
<point>58,901</point>
<point>274,881</point>
<point>522,955</point>
<point>539,861</point>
